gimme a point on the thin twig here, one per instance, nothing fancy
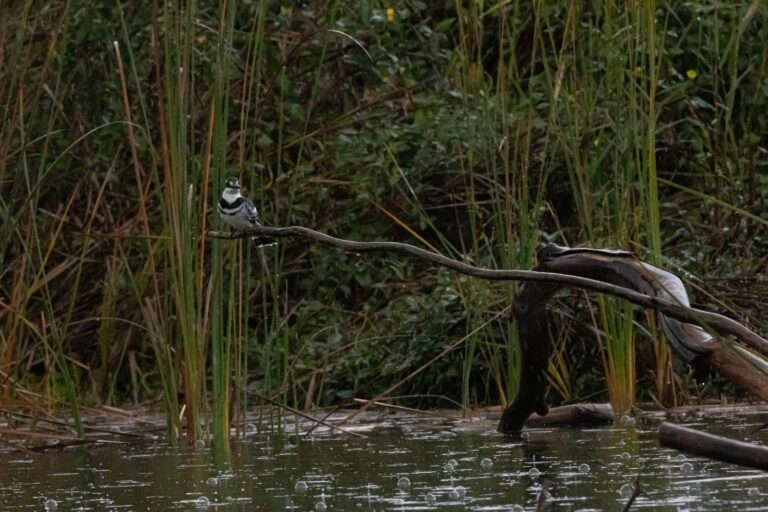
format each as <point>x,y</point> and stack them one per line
<point>450,348</point>
<point>68,425</point>
<point>328,414</point>
<point>637,490</point>
<point>542,499</point>
<point>404,408</point>
<point>307,416</point>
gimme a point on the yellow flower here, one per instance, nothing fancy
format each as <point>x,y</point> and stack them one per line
<point>691,73</point>
<point>390,14</point>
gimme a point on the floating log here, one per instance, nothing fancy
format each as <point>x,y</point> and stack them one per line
<point>714,447</point>
<point>574,414</point>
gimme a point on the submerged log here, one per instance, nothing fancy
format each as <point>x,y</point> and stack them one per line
<point>711,446</point>
<point>690,343</point>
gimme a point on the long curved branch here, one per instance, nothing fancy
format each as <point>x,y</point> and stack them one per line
<point>715,321</point>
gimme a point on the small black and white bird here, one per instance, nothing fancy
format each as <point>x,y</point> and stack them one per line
<point>239,212</point>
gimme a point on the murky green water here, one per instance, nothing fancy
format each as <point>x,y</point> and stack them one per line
<point>587,469</point>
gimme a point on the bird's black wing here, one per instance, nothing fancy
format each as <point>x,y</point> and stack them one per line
<point>251,213</point>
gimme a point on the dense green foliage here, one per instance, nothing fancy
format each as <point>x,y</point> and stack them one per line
<point>479,131</point>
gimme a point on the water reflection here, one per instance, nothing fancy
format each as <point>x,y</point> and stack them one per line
<point>406,467</point>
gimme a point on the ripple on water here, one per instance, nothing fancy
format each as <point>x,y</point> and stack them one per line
<point>626,490</point>
<point>366,474</point>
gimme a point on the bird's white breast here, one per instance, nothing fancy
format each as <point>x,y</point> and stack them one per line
<point>230,195</point>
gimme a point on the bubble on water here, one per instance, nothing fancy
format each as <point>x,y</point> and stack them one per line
<point>212,481</point>
<point>320,506</point>
<point>626,490</point>
<point>462,491</point>
<point>301,486</point>
<point>680,458</point>
<point>202,502</point>
<point>625,456</point>
<point>686,468</point>
<point>516,508</point>
<point>534,472</point>
<point>199,444</point>
<point>50,504</point>
<point>584,468</point>
<point>454,494</point>
<point>753,491</point>
<point>404,483</point>
<point>627,420</point>
<point>430,498</point>
<point>250,428</point>
<point>486,464</point>
<point>454,463</point>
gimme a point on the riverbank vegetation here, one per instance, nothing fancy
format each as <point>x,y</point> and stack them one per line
<point>478,131</point>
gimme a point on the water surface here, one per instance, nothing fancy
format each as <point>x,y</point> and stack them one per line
<point>448,464</point>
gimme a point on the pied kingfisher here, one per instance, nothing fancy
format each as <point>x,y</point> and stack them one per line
<point>239,212</point>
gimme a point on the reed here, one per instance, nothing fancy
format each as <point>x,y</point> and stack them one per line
<point>28,240</point>
<point>181,213</point>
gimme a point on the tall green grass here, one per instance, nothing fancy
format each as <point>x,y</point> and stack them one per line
<point>182,211</point>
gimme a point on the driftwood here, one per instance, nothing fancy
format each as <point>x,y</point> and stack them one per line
<point>714,321</point>
<point>616,273</point>
<point>574,414</point>
<point>692,344</point>
<point>715,447</point>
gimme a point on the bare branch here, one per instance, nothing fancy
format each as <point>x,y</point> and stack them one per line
<point>715,321</point>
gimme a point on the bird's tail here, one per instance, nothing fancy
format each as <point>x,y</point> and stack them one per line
<point>263,241</point>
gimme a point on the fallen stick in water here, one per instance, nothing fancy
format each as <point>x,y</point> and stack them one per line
<point>715,447</point>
